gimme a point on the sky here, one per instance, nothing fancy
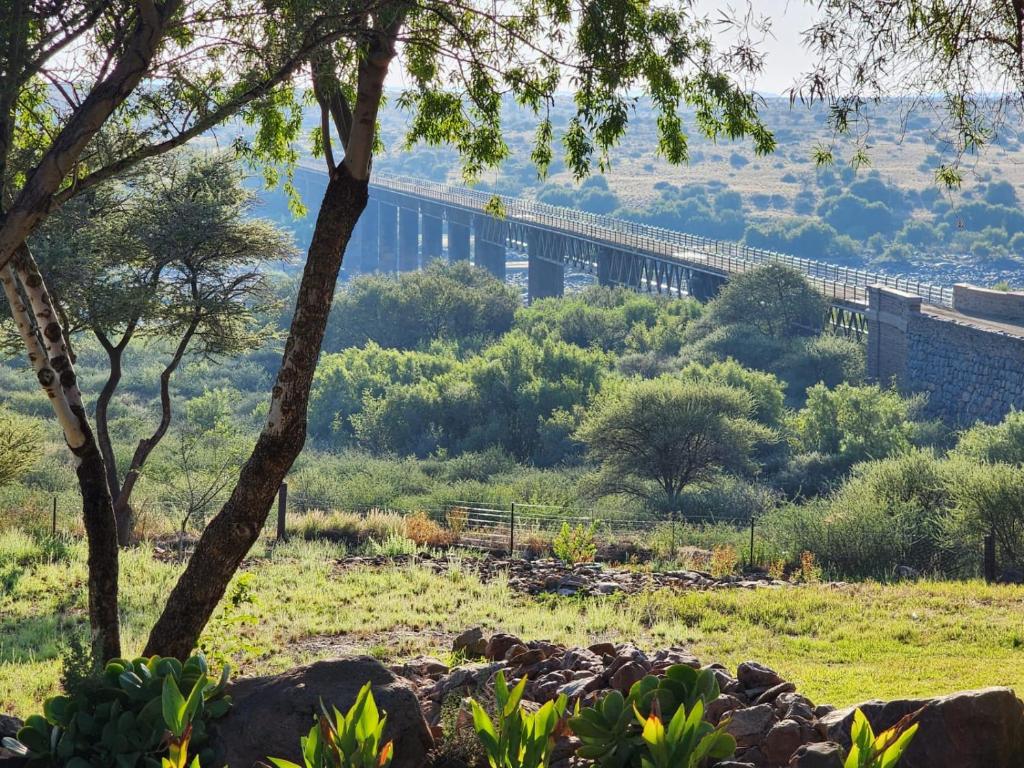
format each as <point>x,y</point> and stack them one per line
<point>786,56</point>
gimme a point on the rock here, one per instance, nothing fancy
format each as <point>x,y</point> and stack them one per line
<point>749,726</point>
<point>269,714</point>
<point>825,754</point>
<point>905,573</point>
<point>607,587</point>
<point>625,676</point>
<point>785,737</point>
<point>718,708</point>
<point>9,726</point>
<point>754,675</point>
<point>971,729</point>
<point>424,666</point>
<point>471,642</point>
<point>499,644</point>
<point>774,692</point>
<point>602,649</point>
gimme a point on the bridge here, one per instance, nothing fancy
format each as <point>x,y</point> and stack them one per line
<point>962,345</point>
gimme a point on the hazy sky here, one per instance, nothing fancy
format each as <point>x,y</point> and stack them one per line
<point>786,57</point>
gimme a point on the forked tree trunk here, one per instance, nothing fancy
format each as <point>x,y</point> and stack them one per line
<point>230,535</point>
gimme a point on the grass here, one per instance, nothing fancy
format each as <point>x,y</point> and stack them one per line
<point>840,645</point>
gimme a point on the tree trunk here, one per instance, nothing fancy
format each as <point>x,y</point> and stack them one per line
<point>230,535</point>
<point>101,531</point>
<point>123,511</point>
<point>43,337</point>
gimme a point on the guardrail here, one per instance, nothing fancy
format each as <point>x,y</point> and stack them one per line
<point>835,281</point>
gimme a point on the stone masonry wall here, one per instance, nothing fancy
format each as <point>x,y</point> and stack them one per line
<point>969,372</point>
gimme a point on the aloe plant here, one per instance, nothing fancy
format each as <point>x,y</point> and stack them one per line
<point>687,741</point>
<point>520,739</point>
<point>133,715</point>
<point>350,740</point>
<point>609,731</point>
<point>883,750</point>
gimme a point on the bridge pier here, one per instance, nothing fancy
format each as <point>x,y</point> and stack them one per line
<point>388,236</point>
<point>408,239</point>
<point>545,277</point>
<point>704,286</point>
<point>369,246</point>
<point>432,246</point>
<point>490,236</point>
<point>458,241</point>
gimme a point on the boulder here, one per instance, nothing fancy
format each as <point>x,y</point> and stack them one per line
<point>269,714</point>
<point>972,729</point>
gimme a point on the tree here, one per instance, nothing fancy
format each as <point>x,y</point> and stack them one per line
<point>167,257</point>
<point>460,62</point>
<point>772,300</point>
<point>962,60</point>
<point>19,443</point>
<point>144,78</point>
<point>653,438</point>
<point>857,423</point>
<point>458,302</point>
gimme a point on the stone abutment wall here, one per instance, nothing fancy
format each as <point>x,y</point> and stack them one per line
<point>969,372</point>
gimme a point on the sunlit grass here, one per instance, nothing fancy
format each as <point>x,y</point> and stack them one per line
<point>840,645</point>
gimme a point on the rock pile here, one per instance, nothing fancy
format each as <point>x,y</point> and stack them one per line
<point>552,576</point>
<point>773,724</point>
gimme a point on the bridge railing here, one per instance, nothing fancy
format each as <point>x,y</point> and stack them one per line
<point>834,280</point>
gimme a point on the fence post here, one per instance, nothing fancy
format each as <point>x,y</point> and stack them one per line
<point>750,561</point>
<point>990,558</point>
<point>282,510</point>
<point>512,532</point>
<point>54,529</point>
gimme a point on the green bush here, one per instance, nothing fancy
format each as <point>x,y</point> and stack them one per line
<point>1003,442</point>
<point>888,513</point>
<point>575,544</point>
<point>122,717</point>
<point>827,359</point>
<point>989,498</point>
<point>351,740</point>
<point>855,422</point>
<point>520,738</point>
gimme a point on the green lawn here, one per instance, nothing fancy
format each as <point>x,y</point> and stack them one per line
<point>840,645</point>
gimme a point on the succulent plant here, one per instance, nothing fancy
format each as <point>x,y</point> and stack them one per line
<point>120,719</point>
<point>610,732</point>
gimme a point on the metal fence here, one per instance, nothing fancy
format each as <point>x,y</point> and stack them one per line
<point>835,281</point>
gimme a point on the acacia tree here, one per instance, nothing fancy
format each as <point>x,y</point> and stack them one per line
<point>88,89</point>
<point>462,59</point>
<point>653,438</point>
<point>962,59</point>
<point>166,257</point>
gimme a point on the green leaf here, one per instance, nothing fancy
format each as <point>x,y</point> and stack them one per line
<point>173,707</point>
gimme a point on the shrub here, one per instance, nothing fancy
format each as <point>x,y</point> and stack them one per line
<point>855,422</point>
<point>623,730</point>
<point>394,545</point>
<point>121,717</point>
<point>350,740</point>
<point>426,532</point>
<point>520,739</point>
<point>723,561</point>
<point>1003,442</point>
<point>888,513</point>
<point>990,498</point>
<point>576,544</point>
<point>827,359</point>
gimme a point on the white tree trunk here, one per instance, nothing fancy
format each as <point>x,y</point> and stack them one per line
<point>37,355</point>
